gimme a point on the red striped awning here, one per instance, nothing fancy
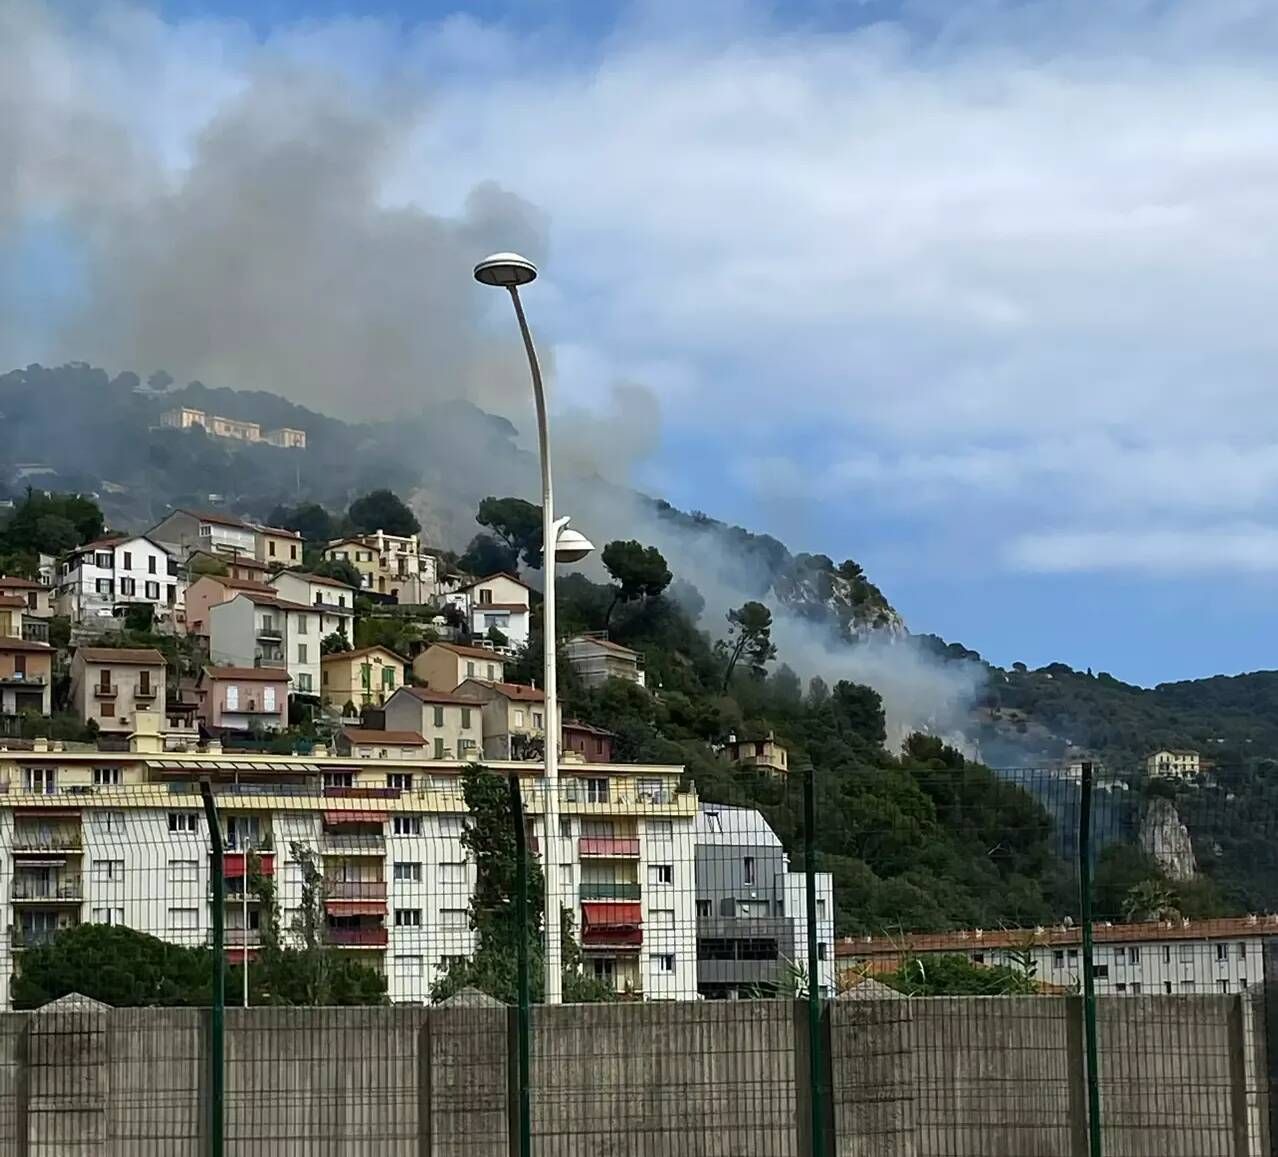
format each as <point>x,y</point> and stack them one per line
<point>356,907</point>
<point>611,914</point>
<point>335,818</point>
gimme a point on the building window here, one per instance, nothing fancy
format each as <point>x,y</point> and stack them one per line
<point>303,626</point>
<point>144,682</point>
<point>184,871</point>
<point>465,718</point>
<point>1185,953</point>
<point>1222,985</point>
<point>492,673</point>
<point>439,747</point>
<point>453,873</point>
<point>106,777</point>
<point>486,596</point>
<point>536,718</point>
<point>1242,950</point>
<point>270,548</point>
<point>184,823</point>
<point>108,871</point>
<point>454,919</point>
<point>106,709</point>
<point>153,591</point>
<point>660,874</point>
<point>519,717</point>
<point>470,669</point>
<point>747,867</point>
<point>128,586</point>
<point>407,871</point>
<point>408,917</point>
<point>292,551</point>
<point>663,964</point>
<point>41,780</point>
<point>439,716</point>
<point>1120,987</point>
<point>150,564</point>
<point>1133,956</point>
<point>406,826</point>
<point>821,951</point>
<point>1222,952</point>
<point>401,780</point>
<point>232,697</point>
<point>1188,985</point>
<point>339,779</point>
<point>304,682</point>
<point>108,916</point>
<point>102,586</point>
<point>597,790</point>
<point>1102,972</point>
<point>1242,983</point>
<point>1135,986</point>
<point>301,649</point>
<point>183,919</point>
<point>1167,987</point>
<point>107,822</point>
<point>408,969</point>
<point>104,560</point>
<point>703,909</point>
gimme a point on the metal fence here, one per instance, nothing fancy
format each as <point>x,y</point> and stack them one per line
<point>930,960</point>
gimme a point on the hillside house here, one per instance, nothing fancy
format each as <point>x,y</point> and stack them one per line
<point>366,677</point>
<point>110,685</point>
<point>766,754</point>
<point>1173,763</point>
<point>499,600</point>
<point>102,579</point>
<point>277,547</point>
<point>390,564</point>
<point>242,699</point>
<point>514,718</point>
<point>445,666</point>
<point>333,599</point>
<point>366,743</point>
<point>451,725</point>
<point>37,597</point>
<point>185,531</point>
<point>255,630</point>
<point>26,676</point>
<point>596,659</point>
<point>209,590</point>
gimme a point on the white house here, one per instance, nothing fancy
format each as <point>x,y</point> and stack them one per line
<point>259,630</point>
<point>186,530</point>
<point>101,579</point>
<point>500,600</point>
<point>334,599</point>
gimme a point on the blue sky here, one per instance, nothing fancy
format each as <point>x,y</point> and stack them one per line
<point>977,293</point>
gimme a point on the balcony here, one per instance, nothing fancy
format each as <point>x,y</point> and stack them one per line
<point>105,690</point>
<point>354,844</point>
<point>358,937</point>
<point>269,633</point>
<point>239,938</point>
<point>355,890</point>
<point>35,631</point>
<point>148,692</point>
<point>609,891</point>
<point>46,840</point>
<point>611,924</point>
<point>233,863</point>
<point>23,679</point>
<point>29,889</point>
<point>33,937</point>
<point>608,848</point>
<point>269,659</point>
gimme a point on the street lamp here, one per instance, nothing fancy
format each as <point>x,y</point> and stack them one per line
<point>510,271</point>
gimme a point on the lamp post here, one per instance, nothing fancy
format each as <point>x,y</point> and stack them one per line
<point>559,544</point>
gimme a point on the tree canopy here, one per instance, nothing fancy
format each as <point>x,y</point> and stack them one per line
<point>382,510</point>
<point>639,571</point>
<point>517,523</point>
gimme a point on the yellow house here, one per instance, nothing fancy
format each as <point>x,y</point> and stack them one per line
<point>1173,762</point>
<point>446,666</point>
<point>11,610</point>
<point>276,547</point>
<point>367,677</point>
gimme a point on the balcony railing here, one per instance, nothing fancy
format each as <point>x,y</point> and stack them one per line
<point>23,679</point>
<point>148,692</point>
<point>105,690</point>
<point>68,840</point>
<point>609,892</point>
<point>32,937</point>
<point>354,844</point>
<point>355,890</point>
<point>35,631</point>
<point>358,937</point>
<point>608,847</point>
<point>264,660</point>
<point>50,891</point>
<point>267,633</point>
<point>240,937</point>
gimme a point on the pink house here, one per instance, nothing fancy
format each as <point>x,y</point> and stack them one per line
<point>240,698</point>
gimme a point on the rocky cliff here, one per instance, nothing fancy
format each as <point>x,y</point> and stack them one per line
<point>1166,838</point>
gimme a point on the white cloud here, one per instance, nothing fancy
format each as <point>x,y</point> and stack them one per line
<point>1178,554</point>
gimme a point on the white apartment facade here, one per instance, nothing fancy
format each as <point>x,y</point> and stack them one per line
<point>1163,958</point>
<point>100,579</point>
<point>500,601</point>
<point>259,630</point>
<point>121,838</point>
<point>333,600</point>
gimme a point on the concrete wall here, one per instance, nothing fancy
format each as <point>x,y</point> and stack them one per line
<point>909,1078</point>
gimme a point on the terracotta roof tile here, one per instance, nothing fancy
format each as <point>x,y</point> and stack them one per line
<point>123,656</point>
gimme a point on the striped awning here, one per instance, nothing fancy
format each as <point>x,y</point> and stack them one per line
<point>335,818</point>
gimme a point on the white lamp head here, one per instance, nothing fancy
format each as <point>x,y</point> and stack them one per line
<point>572,545</point>
<point>505,270</point>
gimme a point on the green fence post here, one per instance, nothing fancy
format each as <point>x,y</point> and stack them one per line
<point>815,1036</point>
<point>1089,964</point>
<point>524,1032</point>
<point>217,1050</point>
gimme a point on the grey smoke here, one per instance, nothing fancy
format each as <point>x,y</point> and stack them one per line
<point>268,260</point>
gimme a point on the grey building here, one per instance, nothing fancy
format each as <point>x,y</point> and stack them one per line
<point>751,911</point>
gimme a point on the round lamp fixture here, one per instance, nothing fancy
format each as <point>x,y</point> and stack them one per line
<point>572,545</point>
<point>505,270</point>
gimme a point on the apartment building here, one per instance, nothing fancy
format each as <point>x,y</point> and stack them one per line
<point>391,564</point>
<point>262,630</point>
<point>1170,958</point>
<point>446,666</point>
<point>514,717</point>
<point>110,685</point>
<point>752,910</point>
<point>209,590</point>
<point>185,531</point>
<point>187,418</point>
<point>121,838</point>
<point>1173,763</point>
<point>102,579</point>
<point>596,659</point>
<point>26,676</point>
<point>367,677</point>
<point>499,600</point>
<point>591,743</point>
<point>332,598</point>
<point>451,725</point>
